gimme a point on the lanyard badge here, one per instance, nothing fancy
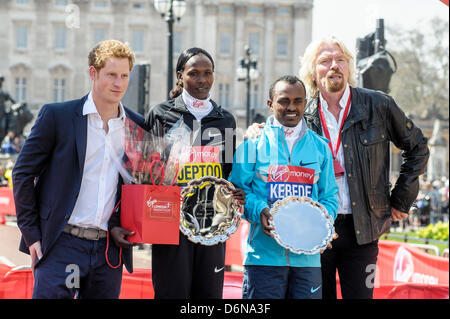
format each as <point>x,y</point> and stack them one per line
<point>338,169</point>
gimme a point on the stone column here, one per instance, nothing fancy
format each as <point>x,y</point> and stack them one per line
<point>5,42</point>
<point>120,28</point>
<point>199,25</point>
<point>437,163</point>
<point>302,31</point>
<point>266,66</point>
<point>81,82</point>
<point>209,28</point>
<point>39,46</point>
<point>240,42</point>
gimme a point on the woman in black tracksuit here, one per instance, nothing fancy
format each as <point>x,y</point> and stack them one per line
<point>190,270</point>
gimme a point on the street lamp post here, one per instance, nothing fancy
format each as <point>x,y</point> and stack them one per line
<point>170,10</point>
<point>248,72</point>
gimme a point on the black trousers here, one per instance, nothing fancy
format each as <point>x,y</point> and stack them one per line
<point>188,271</point>
<point>354,263</point>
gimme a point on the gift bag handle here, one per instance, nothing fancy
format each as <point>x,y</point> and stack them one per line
<point>176,174</point>
<point>107,244</point>
<point>163,172</point>
<point>151,171</point>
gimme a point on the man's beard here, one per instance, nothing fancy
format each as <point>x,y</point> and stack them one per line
<point>334,86</point>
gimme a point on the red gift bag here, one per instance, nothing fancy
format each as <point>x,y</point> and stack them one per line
<point>152,212</point>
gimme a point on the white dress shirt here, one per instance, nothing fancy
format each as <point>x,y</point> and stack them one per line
<point>333,129</point>
<point>98,189</point>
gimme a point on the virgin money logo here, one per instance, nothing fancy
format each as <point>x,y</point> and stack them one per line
<point>404,270</point>
<point>158,207</point>
<point>403,265</point>
<point>204,154</point>
<point>279,173</point>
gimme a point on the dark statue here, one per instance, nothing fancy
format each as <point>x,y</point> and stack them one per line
<point>16,118</point>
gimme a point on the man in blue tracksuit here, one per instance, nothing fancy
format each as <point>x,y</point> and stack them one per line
<point>286,159</point>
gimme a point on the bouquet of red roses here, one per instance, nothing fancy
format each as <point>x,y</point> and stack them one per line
<point>154,159</point>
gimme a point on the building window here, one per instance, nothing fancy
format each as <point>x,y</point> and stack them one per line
<point>225,43</point>
<point>21,37</point>
<point>99,35</point>
<point>59,90</point>
<point>253,9</point>
<point>138,40</point>
<point>138,5</point>
<point>23,2</point>
<point>253,41</point>
<point>61,3</point>
<point>224,94</point>
<point>100,4</point>
<point>226,9</point>
<point>177,42</point>
<point>60,38</point>
<point>20,89</point>
<point>283,10</point>
<point>282,45</point>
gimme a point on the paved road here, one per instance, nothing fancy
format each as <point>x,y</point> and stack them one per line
<point>11,256</point>
<point>9,247</point>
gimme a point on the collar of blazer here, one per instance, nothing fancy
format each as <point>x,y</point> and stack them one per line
<point>80,129</point>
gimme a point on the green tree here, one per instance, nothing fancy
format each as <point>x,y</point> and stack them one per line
<point>421,83</point>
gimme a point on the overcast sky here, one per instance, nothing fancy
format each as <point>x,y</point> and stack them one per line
<point>350,19</point>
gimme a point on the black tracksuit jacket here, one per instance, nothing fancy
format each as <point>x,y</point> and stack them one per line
<point>190,270</point>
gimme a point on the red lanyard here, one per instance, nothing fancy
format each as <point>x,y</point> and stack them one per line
<point>325,128</point>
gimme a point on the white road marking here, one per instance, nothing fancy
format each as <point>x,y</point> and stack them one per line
<point>6,261</point>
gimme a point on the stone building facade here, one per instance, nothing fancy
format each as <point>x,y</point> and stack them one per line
<point>45,43</point>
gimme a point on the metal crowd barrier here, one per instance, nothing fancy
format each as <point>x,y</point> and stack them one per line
<point>445,253</point>
<point>427,248</point>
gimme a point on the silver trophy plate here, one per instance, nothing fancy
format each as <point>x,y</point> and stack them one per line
<point>209,214</point>
<point>302,225</point>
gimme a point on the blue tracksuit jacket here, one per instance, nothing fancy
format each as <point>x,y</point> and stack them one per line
<point>250,172</point>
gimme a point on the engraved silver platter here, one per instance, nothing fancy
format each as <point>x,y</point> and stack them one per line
<point>302,225</point>
<point>209,214</point>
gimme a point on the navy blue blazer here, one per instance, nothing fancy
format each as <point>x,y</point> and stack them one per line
<point>47,176</point>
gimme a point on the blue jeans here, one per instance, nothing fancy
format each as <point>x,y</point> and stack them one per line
<point>76,267</point>
<point>282,282</point>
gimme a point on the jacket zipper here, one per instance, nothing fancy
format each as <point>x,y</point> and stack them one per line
<point>251,235</point>
<point>286,147</point>
<point>289,158</point>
